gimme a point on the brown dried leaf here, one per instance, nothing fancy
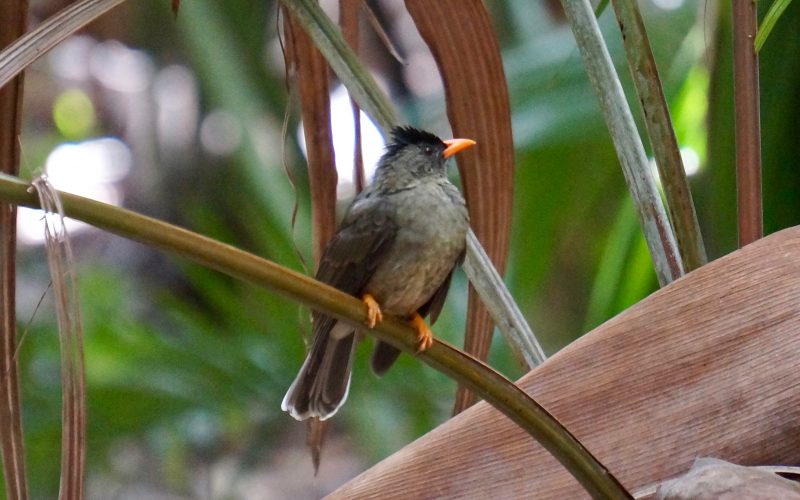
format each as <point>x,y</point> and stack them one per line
<point>70,332</point>
<point>13,15</point>
<point>460,36</point>
<point>317,431</point>
<point>714,479</point>
<point>310,74</point>
<point>706,365</point>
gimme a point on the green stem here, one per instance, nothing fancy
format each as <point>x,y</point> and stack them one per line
<point>662,135</point>
<point>479,377</point>
<point>772,16</point>
<point>630,151</point>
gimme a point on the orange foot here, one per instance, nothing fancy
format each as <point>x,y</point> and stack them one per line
<point>424,334</point>
<point>374,314</point>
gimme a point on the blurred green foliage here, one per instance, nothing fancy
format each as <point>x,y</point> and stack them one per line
<point>191,366</point>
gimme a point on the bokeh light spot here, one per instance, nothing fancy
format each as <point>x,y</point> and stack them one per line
<point>91,168</point>
<point>344,138</point>
<point>74,114</point>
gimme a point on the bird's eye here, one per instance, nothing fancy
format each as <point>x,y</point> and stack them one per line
<point>428,150</point>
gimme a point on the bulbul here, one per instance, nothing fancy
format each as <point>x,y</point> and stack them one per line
<point>396,249</point>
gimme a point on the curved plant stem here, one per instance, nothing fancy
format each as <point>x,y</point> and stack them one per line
<point>479,377</point>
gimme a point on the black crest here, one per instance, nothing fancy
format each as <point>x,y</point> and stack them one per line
<point>405,136</point>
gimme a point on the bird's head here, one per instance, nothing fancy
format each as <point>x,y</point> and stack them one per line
<point>418,154</point>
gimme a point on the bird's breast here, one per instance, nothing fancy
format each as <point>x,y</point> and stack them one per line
<point>432,224</point>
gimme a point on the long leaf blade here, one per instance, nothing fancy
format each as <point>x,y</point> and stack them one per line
<point>770,19</point>
<point>70,333</point>
<point>310,71</point>
<point>32,46</point>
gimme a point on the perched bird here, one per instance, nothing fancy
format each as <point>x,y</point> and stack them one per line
<point>396,249</point>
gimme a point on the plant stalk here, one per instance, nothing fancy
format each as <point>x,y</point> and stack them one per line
<point>662,135</point>
<point>14,15</point>
<point>748,121</point>
<point>652,216</point>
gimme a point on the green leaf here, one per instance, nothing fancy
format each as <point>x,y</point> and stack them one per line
<point>774,13</point>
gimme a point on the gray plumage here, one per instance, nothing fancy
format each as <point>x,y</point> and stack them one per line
<point>399,241</point>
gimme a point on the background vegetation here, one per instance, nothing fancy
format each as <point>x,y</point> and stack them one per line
<point>186,368</point>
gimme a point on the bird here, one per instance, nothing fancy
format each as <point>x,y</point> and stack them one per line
<point>395,249</point>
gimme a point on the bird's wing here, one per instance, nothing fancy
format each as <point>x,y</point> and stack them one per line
<point>433,307</point>
<point>355,251</point>
<point>359,245</point>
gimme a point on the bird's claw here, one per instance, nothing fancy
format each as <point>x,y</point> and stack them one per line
<point>374,314</point>
<point>424,333</point>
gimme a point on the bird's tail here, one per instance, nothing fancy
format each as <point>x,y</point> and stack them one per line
<point>324,379</point>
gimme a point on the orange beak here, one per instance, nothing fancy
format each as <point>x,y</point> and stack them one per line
<point>456,145</point>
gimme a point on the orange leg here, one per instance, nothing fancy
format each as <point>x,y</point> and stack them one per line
<point>374,314</point>
<point>424,333</point>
